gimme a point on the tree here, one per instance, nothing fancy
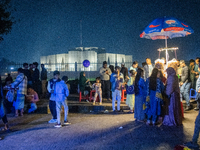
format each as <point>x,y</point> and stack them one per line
<point>6,21</point>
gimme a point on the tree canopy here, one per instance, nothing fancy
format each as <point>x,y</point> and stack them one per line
<point>6,21</point>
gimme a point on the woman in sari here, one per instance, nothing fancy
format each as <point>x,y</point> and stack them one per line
<point>154,99</point>
<point>173,115</point>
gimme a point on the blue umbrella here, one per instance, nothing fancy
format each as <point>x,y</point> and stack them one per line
<point>165,28</point>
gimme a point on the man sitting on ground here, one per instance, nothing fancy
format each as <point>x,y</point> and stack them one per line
<point>32,98</point>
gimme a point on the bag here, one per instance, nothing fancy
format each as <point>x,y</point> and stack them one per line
<point>130,89</point>
<point>10,95</point>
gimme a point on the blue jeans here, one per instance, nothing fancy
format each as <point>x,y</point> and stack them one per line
<point>33,107</point>
<point>196,129</point>
<point>185,92</point>
<point>59,105</point>
<point>116,95</point>
<point>52,107</point>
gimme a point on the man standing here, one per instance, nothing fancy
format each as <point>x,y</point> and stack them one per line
<point>196,67</point>
<point>134,66</point>
<point>124,70</point>
<point>36,76</point>
<point>148,69</point>
<point>105,73</point>
<point>185,84</point>
<point>193,143</point>
<point>27,73</point>
<point>51,88</point>
<point>44,80</point>
<point>21,85</point>
<point>179,71</point>
<point>8,80</point>
<point>196,71</point>
<point>192,73</point>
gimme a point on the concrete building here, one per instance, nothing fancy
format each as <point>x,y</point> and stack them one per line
<point>72,61</point>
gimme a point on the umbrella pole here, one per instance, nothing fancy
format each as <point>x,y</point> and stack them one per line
<point>166,49</point>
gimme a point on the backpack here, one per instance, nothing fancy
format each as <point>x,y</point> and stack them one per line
<point>10,95</point>
<point>130,89</point>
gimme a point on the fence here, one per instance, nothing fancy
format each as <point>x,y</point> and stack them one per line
<point>72,70</point>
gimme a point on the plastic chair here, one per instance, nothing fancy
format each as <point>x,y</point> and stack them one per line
<point>82,97</point>
<point>91,96</point>
<point>123,95</point>
<point>191,94</point>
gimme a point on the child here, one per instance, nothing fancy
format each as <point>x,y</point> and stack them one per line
<point>61,92</point>
<point>116,80</point>
<point>32,98</point>
<point>130,100</point>
<point>98,90</point>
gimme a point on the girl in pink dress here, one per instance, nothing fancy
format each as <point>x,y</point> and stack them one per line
<point>98,90</point>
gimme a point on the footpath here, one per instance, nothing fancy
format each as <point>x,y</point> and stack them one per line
<point>92,131</point>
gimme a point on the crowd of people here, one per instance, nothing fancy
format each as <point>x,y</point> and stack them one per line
<point>154,92</point>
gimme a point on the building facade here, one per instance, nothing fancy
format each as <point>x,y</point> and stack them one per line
<point>72,61</point>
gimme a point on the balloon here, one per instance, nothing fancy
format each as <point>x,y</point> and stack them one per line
<point>86,63</point>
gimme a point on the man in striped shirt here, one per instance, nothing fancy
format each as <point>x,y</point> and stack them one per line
<point>21,85</point>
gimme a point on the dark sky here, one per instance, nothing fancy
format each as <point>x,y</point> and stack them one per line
<point>53,26</point>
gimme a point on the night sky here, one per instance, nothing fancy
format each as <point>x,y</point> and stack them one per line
<point>53,26</point>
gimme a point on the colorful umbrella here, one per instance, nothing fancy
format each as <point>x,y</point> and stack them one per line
<point>165,28</point>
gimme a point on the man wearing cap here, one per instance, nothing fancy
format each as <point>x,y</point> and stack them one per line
<point>50,88</point>
<point>105,73</point>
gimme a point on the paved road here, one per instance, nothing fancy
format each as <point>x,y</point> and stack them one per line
<point>94,132</point>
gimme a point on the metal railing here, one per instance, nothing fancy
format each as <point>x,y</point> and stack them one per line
<point>72,70</point>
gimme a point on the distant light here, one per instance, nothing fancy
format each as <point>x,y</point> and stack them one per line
<point>11,68</point>
<point>172,48</point>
